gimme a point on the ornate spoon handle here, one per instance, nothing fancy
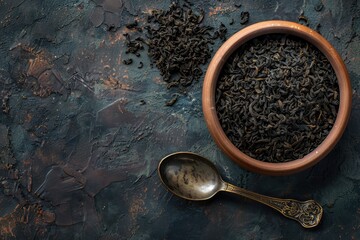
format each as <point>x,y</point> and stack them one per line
<point>307,213</point>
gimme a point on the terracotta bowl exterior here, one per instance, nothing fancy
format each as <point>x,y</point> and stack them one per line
<point>209,108</point>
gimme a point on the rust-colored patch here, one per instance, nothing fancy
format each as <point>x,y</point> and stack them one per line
<point>7,226</point>
<point>24,215</point>
<point>114,83</point>
<point>111,82</point>
<point>29,182</point>
<point>137,207</point>
<point>49,82</point>
<point>35,71</point>
<point>45,216</point>
<point>118,36</point>
<point>220,10</point>
<point>38,64</point>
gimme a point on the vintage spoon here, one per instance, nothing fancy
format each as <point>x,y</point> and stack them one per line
<point>193,177</point>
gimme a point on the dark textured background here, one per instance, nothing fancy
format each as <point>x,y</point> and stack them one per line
<point>79,149</point>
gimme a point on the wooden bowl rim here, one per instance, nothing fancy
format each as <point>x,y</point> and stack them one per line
<point>212,74</point>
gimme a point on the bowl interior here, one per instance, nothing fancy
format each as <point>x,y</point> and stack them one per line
<point>213,73</point>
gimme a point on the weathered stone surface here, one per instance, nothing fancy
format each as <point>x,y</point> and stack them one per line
<point>81,134</point>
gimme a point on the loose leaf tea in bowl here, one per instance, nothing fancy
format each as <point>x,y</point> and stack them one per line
<point>277,98</point>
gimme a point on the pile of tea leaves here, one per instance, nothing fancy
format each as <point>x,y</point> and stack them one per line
<point>277,98</point>
<point>178,43</point>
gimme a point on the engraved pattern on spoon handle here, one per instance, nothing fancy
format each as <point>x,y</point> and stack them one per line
<point>307,213</point>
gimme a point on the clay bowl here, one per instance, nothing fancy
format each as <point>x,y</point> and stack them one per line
<point>208,97</point>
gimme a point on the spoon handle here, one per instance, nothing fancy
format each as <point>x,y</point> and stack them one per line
<point>307,213</point>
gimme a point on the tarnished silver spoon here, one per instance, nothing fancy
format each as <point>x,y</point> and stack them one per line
<point>193,177</point>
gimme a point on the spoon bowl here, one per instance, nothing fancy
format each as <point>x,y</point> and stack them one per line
<point>190,176</point>
<point>194,177</point>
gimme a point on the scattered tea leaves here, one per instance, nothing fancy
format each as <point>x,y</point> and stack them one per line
<point>132,25</point>
<point>244,17</point>
<point>172,101</point>
<point>303,19</point>
<point>128,61</point>
<point>133,46</point>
